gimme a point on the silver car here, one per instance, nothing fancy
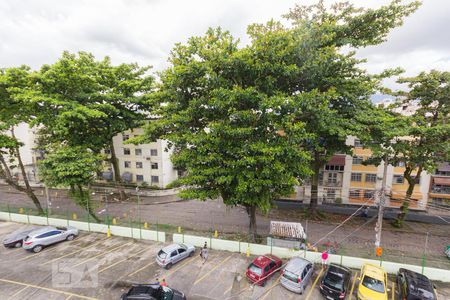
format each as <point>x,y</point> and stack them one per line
<point>15,239</point>
<point>297,274</point>
<point>38,239</point>
<point>172,254</point>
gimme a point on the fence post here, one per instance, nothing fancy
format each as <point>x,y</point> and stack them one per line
<point>9,213</point>
<point>28,216</point>
<point>157,233</point>
<point>183,236</point>
<point>271,245</point>
<point>67,217</point>
<point>131,226</point>
<point>46,215</point>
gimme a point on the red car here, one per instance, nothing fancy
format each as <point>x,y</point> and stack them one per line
<point>262,268</point>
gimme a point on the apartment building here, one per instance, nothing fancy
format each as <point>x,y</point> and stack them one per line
<point>439,193</point>
<point>146,164</point>
<point>346,179</point>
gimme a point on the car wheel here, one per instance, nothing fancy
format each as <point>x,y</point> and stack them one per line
<point>37,249</point>
<point>168,266</point>
<point>302,290</point>
<point>70,237</point>
<point>191,254</point>
<point>18,245</point>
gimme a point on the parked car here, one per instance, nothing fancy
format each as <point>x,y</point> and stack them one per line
<point>372,283</point>
<point>297,274</point>
<point>335,282</point>
<point>170,255</point>
<point>414,286</point>
<point>152,292</point>
<point>260,270</point>
<point>15,239</point>
<point>40,238</point>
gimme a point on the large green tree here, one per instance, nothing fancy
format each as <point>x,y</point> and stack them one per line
<point>421,138</point>
<point>325,56</point>
<point>81,101</point>
<point>74,167</point>
<point>12,114</point>
<point>231,127</point>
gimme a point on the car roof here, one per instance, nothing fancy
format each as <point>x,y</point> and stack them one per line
<point>297,264</point>
<point>264,260</point>
<point>171,247</point>
<point>42,230</point>
<point>374,271</point>
<point>144,289</point>
<point>417,281</point>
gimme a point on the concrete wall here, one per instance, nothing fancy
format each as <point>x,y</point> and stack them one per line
<point>315,257</point>
<point>92,227</point>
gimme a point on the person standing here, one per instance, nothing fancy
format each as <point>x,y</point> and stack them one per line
<point>163,282</point>
<point>204,253</point>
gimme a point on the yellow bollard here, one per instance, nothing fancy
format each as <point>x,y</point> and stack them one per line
<point>216,234</point>
<point>108,232</point>
<point>114,221</point>
<point>145,225</point>
<point>179,229</point>
<point>124,215</point>
<point>74,216</point>
<point>21,210</point>
<point>248,251</point>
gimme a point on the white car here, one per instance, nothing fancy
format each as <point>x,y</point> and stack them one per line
<point>38,239</point>
<point>172,254</point>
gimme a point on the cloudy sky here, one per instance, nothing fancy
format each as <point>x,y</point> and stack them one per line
<point>35,32</point>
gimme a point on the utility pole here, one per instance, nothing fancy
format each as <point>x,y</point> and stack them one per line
<point>381,204</point>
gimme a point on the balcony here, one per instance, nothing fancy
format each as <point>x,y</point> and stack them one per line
<point>332,183</point>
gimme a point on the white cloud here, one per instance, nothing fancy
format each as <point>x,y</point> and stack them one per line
<point>35,32</point>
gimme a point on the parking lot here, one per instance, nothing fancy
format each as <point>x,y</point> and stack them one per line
<point>120,262</point>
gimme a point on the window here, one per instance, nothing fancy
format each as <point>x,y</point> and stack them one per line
<point>371,177</point>
<point>320,178</point>
<point>416,179</point>
<point>181,250</point>
<point>139,165</point>
<point>357,160</point>
<point>139,178</point>
<point>358,143</point>
<point>331,195</point>
<point>127,164</point>
<point>174,253</point>
<point>368,194</point>
<point>356,177</point>
<point>354,193</point>
<point>125,137</point>
<point>126,151</point>
<point>107,151</point>
<point>154,166</point>
<point>138,152</point>
<point>398,179</point>
<point>401,164</point>
<point>332,177</point>
<point>154,152</point>
<point>155,179</point>
<point>334,168</point>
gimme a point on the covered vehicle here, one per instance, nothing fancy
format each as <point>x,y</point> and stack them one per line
<point>297,274</point>
<point>174,253</point>
<point>372,283</point>
<point>15,239</point>
<point>152,292</point>
<point>335,282</point>
<point>414,286</point>
<point>262,267</point>
<point>36,240</point>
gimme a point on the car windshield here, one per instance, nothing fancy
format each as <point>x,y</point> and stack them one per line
<point>373,284</point>
<point>183,246</point>
<point>290,276</point>
<point>334,281</point>
<point>168,293</point>
<point>255,269</point>
<point>162,254</point>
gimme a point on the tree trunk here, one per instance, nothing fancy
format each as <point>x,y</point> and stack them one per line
<point>252,230</point>
<point>404,208</point>
<point>117,177</point>
<point>10,181</point>
<point>88,205</point>
<point>315,185</point>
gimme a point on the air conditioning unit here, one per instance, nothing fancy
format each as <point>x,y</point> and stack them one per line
<point>147,157</point>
